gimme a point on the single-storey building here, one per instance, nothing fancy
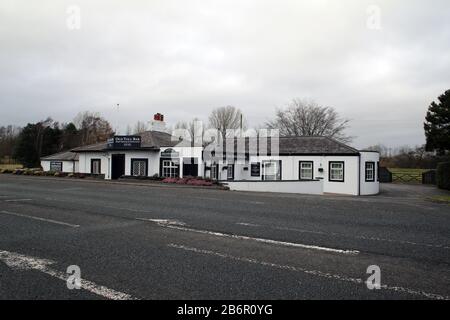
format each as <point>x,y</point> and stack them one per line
<point>299,165</point>
<point>61,162</point>
<point>150,153</point>
<point>312,165</point>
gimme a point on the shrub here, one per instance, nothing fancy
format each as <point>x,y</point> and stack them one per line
<point>443,175</point>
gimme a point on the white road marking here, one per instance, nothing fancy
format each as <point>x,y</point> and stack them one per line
<point>22,262</point>
<point>363,237</point>
<point>247,224</point>
<point>165,222</point>
<point>178,226</point>
<point>311,272</point>
<point>40,219</point>
<point>17,200</point>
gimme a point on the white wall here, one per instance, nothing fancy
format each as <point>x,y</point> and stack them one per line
<point>187,152</point>
<point>290,171</point>
<point>67,166</point>
<point>303,187</point>
<point>84,162</point>
<point>369,188</point>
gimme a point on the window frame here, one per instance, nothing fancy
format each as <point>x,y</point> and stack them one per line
<point>214,169</point>
<point>330,163</point>
<point>133,160</point>
<point>300,170</point>
<point>173,166</point>
<point>99,165</point>
<point>278,175</point>
<point>232,172</point>
<point>373,171</point>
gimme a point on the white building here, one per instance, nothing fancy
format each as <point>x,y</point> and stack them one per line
<point>151,153</point>
<point>313,165</point>
<point>61,162</point>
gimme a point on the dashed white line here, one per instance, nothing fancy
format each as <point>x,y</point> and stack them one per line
<point>240,237</point>
<point>17,200</point>
<point>22,262</point>
<point>334,234</point>
<point>39,219</point>
<point>317,273</point>
<point>247,224</point>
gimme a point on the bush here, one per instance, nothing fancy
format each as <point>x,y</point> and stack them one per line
<point>443,175</point>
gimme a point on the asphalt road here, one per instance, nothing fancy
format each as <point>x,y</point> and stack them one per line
<point>139,242</point>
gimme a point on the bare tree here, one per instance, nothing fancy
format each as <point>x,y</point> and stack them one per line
<point>194,127</point>
<point>307,118</point>
<point>224,118</point>
<point>93,128</point>
<point>139,127</point>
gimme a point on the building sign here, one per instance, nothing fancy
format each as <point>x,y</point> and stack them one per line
<point>255,169</point>
<point>124,142</point>
<point>56,166</point>
<point>170,154</point>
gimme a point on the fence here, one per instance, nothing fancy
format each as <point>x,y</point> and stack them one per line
<point>412,176</point>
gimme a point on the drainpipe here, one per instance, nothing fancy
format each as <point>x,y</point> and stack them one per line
<point>359,174</point>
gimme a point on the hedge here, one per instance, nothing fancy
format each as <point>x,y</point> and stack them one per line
<point>443,175</point>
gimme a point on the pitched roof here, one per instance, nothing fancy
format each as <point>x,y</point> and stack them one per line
<point>302,145</point>
<point>62,156</point>
<point>149,140</point>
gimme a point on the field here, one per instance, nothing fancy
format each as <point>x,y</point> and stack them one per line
<point>400,175</point>
<point>10,166</point>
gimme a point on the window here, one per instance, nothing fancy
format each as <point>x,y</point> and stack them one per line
<point>271,170</point>
<point>56,166</point>
<point>306,170</point>
<point>230,172</point>
<point>214,172</point>
<point>370,171</point>
<point>336,171</point>
<point>139,167</point>
<point>378,171</point>
<point>169,169</point>
<point>96,166</point>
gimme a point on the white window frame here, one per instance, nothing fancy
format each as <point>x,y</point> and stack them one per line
<point>142,170</point>
<point>370,172</point>
<point>230,172</point>
<point>275,175</point>
<point>169,169</point>
<point>340,175</point>
<point>310,169</point>
<point>98,167</point>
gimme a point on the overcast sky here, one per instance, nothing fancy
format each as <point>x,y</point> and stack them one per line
<point>183,58</point>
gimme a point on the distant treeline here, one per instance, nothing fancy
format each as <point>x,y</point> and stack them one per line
<point>408,157</point>
<point>28,144</point>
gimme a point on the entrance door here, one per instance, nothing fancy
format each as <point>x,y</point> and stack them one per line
<point>190,167</point>
<point>117,166</point>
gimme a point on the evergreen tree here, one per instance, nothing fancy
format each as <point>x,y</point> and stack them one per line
<point>437,125</point>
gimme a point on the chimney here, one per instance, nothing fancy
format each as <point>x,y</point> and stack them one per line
<point>158,123</point>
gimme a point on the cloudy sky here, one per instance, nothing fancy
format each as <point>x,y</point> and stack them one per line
<point>379,63</point>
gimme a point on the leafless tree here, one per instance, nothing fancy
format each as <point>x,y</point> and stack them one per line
<point>93,128</point>
<point>228,117</point>
<point>194,127</point>
<point>139,127</point>
<point>307,118</point>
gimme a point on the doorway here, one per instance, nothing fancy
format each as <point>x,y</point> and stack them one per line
<point>190,167</point>
<point>117,166</point>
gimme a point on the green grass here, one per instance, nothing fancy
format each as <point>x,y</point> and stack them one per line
<point>10,166</point>
<point>445,199</point>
